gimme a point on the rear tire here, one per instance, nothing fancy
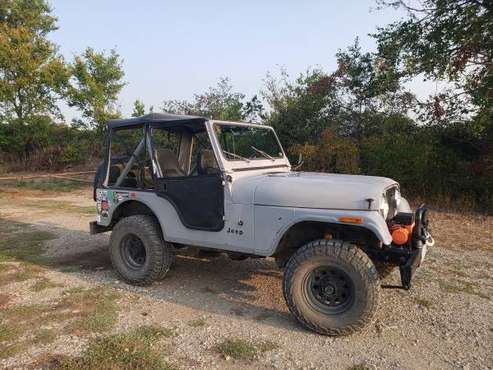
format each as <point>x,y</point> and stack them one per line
<point>138,252</point>
<point>331,287</point>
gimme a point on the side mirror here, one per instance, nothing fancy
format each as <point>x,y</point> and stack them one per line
<point>300,162</point>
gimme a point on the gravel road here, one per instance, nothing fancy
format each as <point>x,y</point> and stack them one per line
<point>445,321</point>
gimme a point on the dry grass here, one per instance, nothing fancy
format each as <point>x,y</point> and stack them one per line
<point>80,311</point>
<point>240,349</point>
<point>197,323</point>
<point>461,286</point>
<point>20,273</point>
<point>43,284</point>
<point>95,309</point>
<point>462,231</point>
<point>133,350</point>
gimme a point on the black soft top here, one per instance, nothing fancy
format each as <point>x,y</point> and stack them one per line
<point>157,120</point>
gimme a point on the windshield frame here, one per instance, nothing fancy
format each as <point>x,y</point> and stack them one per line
<point>256,159</point>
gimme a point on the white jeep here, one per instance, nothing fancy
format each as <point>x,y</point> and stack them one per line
<point>170,182</point>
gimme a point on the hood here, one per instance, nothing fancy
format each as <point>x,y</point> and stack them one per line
<point>312,190</point>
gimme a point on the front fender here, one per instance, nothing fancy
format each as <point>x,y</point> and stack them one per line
<point>372,220</point>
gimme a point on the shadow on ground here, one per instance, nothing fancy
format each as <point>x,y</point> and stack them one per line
<point>249,290</point>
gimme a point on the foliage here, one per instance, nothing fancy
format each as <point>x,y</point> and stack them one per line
<point>219,102</point>
<point>445,39</point>
<point>94,87</point>
<point>139,108</point>
<point>332,154</point>
<point>32,73</point>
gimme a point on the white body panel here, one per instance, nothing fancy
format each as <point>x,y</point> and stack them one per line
<point>263,198</point>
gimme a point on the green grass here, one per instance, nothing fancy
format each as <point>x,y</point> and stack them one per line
<point>132,350</point>
<point>80,311</point>
<point>24,244</point>
<point>52,186</point>
<point>240,349</point>
<point>96,309</point>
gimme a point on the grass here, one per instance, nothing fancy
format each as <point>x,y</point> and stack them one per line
<point>423,302</point>
<point>132,350</point>
<point>461,286</point>
<point>240,349</point>
<point>96,309</point>
<point>59,206</point>
<point>20,273</point>
<point>43,284</point>
<point>18,242</point>
<point>197,323</point>
<point>358,367</point>
<point>80,311</point>
<point>44,336</point>
<point>51,186</point>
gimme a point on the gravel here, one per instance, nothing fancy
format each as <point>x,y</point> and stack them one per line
<point>444,321</point>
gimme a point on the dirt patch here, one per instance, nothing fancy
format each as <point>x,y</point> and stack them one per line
<point>62,306</point>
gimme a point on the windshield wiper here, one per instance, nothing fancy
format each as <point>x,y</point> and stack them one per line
<point>236,156</point>
<point>263,153</point>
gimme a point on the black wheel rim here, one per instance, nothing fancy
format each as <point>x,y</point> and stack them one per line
<point>329,289</point>
<point>133,251</point>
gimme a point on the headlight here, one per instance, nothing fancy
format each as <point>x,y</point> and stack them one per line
<point>397,198</point>
<point>384,207</point>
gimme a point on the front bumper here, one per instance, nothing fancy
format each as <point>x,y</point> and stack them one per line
<point>421,241</point>
<point>411,256</point>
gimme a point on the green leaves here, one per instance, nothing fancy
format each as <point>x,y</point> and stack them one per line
<point>218,102</point>
<point>96,81</point>
<point>445,40</point>
<point>32,73</point>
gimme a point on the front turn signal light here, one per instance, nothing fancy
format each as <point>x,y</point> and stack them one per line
<point>351,220</point>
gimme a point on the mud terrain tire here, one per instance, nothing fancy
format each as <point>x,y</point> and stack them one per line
<point>331,287</point>
<point>138,252</point>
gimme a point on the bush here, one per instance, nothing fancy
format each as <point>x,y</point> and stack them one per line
<point>43,145</point>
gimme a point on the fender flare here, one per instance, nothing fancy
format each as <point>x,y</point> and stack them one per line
<point>372,221</point>
<point>148,205</point>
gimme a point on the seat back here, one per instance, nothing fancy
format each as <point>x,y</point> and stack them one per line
<point>169,163</point>
<point>208,163</point>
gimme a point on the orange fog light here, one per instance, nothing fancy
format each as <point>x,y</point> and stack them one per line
<point>400,235</point>
<point>351,220</point>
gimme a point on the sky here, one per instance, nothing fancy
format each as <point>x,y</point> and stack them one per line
<point>173,49</point>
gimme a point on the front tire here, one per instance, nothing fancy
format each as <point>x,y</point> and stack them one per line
<point>138,252</point>
<point>331,287</point>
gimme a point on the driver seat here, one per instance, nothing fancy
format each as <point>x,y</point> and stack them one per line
<point>169,163</point>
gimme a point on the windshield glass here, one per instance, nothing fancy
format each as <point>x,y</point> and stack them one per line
<point>246,143</point>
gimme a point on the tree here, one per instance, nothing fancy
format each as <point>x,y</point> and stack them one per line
<point>139,108</point>
<point>32,73</point>
<point>445,40</point>
<point>367,88</point>
<point>97,79</point>
<point>302,109</point>
<point>219,102</point>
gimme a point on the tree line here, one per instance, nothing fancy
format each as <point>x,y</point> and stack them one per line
<point>359,118</point>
